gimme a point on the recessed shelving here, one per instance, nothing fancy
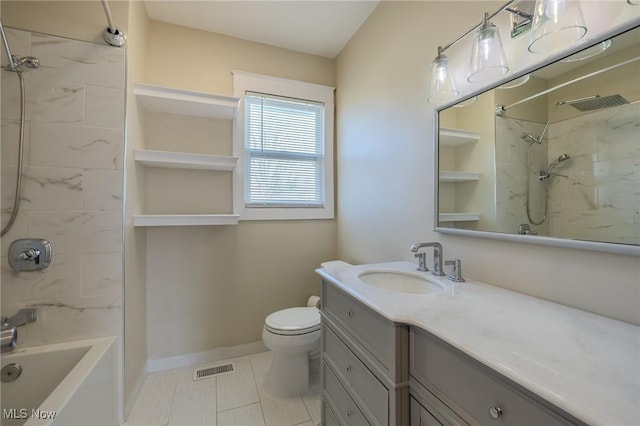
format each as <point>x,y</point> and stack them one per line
<point>150,220</point>
<point>447,176</point>
<point>458,217</point>
<point>186,102</point>
<point>179,160</point>
<point>456,137</point>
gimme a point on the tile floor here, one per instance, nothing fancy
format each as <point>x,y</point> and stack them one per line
<point>173,398</point>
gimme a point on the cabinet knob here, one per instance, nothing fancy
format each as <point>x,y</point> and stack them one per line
<point>350,314</point>
<point>349,413</point>
<point>348,368</point>
<point>495,412</point>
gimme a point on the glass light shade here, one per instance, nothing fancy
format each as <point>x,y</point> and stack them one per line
<point>443,86</point>
<point>488,61</point>
<point>634,2</point>
<point>515,83</point>
<point>466,102</point>
<point>589,52</point>
<point>557,24</point>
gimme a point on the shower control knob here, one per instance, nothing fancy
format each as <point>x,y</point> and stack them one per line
<point>495,412</point>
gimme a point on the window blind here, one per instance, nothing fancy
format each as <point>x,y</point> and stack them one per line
<point>284,152</point>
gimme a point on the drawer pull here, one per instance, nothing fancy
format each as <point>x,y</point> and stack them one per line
<point>495,412</point>
<point>348,368</point>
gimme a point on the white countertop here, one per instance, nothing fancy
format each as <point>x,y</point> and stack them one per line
<point>585,364</point>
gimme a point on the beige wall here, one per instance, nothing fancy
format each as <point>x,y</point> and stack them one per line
<point>385,149</point>
<point>135,267</point>
<point>210,287</point>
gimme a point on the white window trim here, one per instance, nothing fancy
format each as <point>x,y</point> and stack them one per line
<point>248,82</point>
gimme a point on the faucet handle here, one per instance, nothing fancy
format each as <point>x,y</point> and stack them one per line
<point>422,261</point>
<point>456,274</point>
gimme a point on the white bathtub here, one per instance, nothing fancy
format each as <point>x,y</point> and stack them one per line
<point>70,383</point>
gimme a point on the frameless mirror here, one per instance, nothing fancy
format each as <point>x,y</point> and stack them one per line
<point>556,157</point>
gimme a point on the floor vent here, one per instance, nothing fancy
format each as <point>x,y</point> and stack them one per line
<point>212,370</point>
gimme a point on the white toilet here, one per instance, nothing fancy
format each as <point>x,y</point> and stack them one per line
<point>293,335</point>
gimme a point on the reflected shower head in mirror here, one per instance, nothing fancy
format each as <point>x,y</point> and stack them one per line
<point>544,175</point>
<point>594,102</point>
<point>527,137</point>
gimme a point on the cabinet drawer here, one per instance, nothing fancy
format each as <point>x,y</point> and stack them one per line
<point>329,419</point>
<point>420,416</point>
<point>376,333</point>
<point>470,389</point>
<point>346,411</point>
<point>358,377</point>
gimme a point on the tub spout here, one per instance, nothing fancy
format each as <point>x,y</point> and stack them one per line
<point>9,333</point>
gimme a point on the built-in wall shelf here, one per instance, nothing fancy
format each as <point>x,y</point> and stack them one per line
<point>186,102</point>
<point>458,217</point>
<point>179,160</point>
<point>446,176</point>
<point>184,219</point>
<point>455,137</point>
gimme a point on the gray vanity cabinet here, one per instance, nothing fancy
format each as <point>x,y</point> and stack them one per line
<point>456,389</point>
<point>364,364</point>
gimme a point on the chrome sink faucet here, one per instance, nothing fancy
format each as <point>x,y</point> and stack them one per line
<point>9,333</point>
<point>437,257</point>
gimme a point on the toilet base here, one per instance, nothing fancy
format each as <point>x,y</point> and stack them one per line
<point>289,374</point>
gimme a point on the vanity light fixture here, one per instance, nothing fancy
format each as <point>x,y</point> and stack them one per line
<point>556,25</point>
<point>443,86</point>
<point>488,60</point>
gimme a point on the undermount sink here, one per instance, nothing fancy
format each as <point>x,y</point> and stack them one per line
<point>403,282</point>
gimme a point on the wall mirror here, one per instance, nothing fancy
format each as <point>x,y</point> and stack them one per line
<point>552,157</point>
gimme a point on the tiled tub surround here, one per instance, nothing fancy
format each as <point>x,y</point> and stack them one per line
<point>593,196</point>
<point>584,364</point>
<point>72,186</point>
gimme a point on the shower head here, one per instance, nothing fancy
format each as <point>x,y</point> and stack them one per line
<point>527,137</point>
<point>544,175</point>
<point>594,102</point>
<point>30,62</point>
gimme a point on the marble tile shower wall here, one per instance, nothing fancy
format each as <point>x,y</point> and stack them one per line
<point>596,195</point>
<point>72,186</point>
<point>511,179</point>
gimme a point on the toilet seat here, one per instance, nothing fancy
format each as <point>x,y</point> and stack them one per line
<point>293,321</point>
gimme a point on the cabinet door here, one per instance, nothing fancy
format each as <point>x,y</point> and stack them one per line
<point>420,416</point>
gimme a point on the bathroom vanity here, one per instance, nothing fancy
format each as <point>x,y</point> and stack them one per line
<point>468,353</point>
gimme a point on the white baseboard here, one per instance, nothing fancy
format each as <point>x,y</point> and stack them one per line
<point>135,391</point>
<point>214,355</point>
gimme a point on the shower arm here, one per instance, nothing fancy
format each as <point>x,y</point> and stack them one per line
<point>107,11</point>
<point>112,34</point>
<point>500,109</point>
<point>10,57</point>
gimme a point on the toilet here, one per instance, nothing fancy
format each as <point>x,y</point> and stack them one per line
<point>293,335</point>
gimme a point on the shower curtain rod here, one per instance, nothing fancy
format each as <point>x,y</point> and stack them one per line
<point>500,109</point>
<point>112,34</point>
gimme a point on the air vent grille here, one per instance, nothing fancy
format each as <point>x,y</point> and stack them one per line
<point>212,370</point>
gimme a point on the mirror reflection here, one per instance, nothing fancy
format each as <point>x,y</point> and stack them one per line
<point>555,153</point>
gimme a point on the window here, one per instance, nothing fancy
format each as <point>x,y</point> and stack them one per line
<point>284,138</point>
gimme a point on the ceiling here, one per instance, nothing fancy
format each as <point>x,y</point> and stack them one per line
<point>318,27</point>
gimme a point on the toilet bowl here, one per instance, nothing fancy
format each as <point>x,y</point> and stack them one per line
<point>293,335</point>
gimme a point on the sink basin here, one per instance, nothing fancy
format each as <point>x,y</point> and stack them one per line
<point>403,282</point>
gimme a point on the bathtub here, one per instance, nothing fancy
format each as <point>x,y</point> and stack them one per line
<point>70,383</point>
